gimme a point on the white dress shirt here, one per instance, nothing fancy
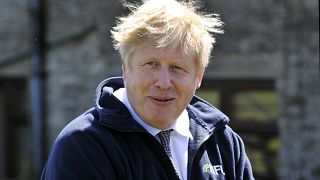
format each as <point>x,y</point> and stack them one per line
<point>179,138</point>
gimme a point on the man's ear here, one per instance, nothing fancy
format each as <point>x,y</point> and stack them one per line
<point>124,72</point>
<point>199,79</point>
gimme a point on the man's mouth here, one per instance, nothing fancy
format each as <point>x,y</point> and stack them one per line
<point>162,99</point>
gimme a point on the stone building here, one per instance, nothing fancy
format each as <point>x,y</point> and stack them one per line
<point>264,74</point>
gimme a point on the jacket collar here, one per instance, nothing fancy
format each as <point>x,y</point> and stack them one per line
<point>206,115</point>
<point>113,113</point>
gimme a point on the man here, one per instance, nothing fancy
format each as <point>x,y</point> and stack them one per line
<point>148,124</point>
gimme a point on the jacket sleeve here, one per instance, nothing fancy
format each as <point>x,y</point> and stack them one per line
<point>77,156</point>
<point>243,166</point>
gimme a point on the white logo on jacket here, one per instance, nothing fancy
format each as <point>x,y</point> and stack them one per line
<point>216,169</point>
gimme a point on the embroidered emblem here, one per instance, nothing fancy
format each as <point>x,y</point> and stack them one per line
<point>216,169</point>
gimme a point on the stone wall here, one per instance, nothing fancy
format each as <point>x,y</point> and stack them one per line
<point>81,55</point>
<point>299,88</point>
<point>250,48</point>
<point>263,40</point>
<point>15,38</point>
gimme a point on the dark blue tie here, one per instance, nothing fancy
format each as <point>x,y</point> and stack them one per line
<point>164,137</point>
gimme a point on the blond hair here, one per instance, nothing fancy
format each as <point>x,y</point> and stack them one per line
<point>170,23</point>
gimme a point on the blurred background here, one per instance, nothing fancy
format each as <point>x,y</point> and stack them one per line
<point>264,74</point>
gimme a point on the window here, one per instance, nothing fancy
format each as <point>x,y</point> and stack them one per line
<point>16,135</point>
<point>252,107</point>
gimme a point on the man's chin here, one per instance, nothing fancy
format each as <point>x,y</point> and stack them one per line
<point>161,119</point>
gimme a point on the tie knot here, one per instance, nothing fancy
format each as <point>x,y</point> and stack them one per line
<point>165,134</point>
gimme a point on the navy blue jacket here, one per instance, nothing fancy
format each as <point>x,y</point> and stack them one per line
<point>106,143</point>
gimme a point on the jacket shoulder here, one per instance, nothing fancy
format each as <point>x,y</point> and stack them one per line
<point>80,151</point>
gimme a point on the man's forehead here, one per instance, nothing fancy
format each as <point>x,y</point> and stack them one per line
<point>151,46</point>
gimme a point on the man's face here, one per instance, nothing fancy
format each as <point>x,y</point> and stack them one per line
<point>160,83</point>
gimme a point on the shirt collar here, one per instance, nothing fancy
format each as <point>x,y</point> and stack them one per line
<point>181,125</point>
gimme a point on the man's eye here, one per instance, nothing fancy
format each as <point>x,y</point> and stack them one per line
<point>177,68</point>
<point>152,64</point>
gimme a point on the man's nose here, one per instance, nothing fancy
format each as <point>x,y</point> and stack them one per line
<point>163,79</point>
